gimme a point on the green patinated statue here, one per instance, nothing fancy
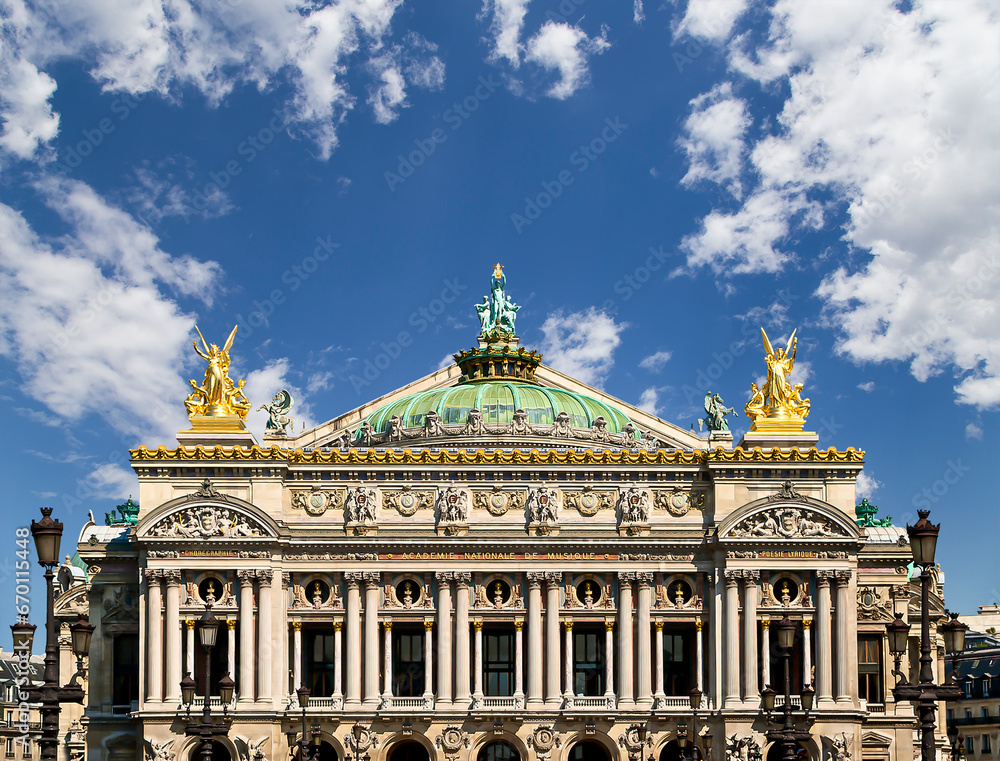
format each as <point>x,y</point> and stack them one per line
<point>715,414</point>
<point>866,512</point>
<point>128,514</point>
<point>497,312</point>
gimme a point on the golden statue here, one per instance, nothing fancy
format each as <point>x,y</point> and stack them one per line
<point>498,270</point>
<point>778,405</point>
<point>217,396</point>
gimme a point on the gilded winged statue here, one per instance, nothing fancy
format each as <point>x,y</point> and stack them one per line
<point>217,395</point>
<point>778,399</point>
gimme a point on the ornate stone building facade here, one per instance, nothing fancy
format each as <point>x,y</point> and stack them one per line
<point>496,562</point>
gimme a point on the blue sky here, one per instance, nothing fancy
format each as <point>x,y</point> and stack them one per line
<point>659,180</point>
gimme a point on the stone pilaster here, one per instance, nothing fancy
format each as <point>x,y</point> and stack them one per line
<point>731,667</point>
<point>658,693</point>
<point>518,658</point>
<point>387,663</point>
<point>765,652</point>
<point>477,694</point>
<point>568,663</point>
<point>609,660</point>
<point>297,654</point>
<point>338,660</point>
<point>428,664</point>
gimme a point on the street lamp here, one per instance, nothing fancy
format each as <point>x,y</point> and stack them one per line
<point>307,750</point>
<point>689,745</point>
<point>786,734</point>
<point>207,728</point>
<point>925,694</point>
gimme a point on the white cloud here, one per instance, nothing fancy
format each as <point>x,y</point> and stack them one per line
<point>649,400</point>
<point>710,19</point>
<point>28,121</point>
<point>161,193</point>
<point>888,117</point>
<point>866,486</point>
<point>581,344</point>
<point>446,361</point>
<point>389,95</point>
<point>505,26</point>
<point>713,139</point>
<point>638,14</point>
<point>867,386</point>
<point>655,362</point>
<point>974,431</point>
<point>112,481</point>
<point>566,49</point>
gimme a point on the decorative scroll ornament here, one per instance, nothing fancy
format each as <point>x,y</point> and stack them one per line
<point>788,522</point>
<point>742,749</point>
<point>590,501</point>
<point>543,740</point>
<point>632,741</point>
<point>452,740</point>
<point>160,751</point>
<point>317,501</point>
<point>678,502</point>
<point>217,396</point>
<point>872,606</point>
<point>278,422</point>
<point>205,522</point>
<point>407,500</point>
<point>778,406</point>
<point>498,501</point>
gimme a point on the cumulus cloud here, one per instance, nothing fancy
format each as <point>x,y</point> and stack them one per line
<point>866,486</point>
<point>581,344</point>
<point>867,386</point>
<point>111,481</point>
<point>655,362</point>
<point>887,132</point>
<point>974,431</point>
<point>710,19</point>
<point>649,400</point>
<point>713,139</point>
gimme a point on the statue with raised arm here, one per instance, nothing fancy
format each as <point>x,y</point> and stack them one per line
<point>279,422</point>
<point>497,312</point>
<point>715,414</point>
<point>779,401</point>
<point>217,396</point>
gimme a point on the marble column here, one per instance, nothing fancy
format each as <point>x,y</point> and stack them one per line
<point>751,691</point>
<point>371,691</point>
<point>806,653</point>
<point>731,667</point>
<point>172,624</point>
<point>477,695</point>
<point>154,637</point>
<point>265,637</point>
<point>824,683</point>
<point>568,662</point>
<point>428,664</point>
<point>518,659</point>
<point>609,660</point>
<point>626,694</point>
<point>247,659</point>
<point>297,654</point>
<point>534,638</point>
<point>444,663</point>
<point>658,693</point>
<point>352,653</point>
<point>189,655</point>
<point>462,696</point>
<point>553,693</point>
<point>699,626</point>
<point>644,695</point>
<point>841,683</point>
<point>765,652</point>
<point>387,664</point>
<point>338,660</point>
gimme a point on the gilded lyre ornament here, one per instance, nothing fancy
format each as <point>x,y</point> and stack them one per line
<point>217,396</point>
<point>779,404</point>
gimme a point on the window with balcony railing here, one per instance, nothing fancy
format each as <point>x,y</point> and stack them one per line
<point>408,662</point>
<point>498,662</point>
<point>320,662</point>
<point>588,660</point>
<point>678,660</point>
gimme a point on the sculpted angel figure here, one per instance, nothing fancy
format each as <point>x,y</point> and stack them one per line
<point>777,390</point>
<point>485,315</point>
<point>755,407</point>
<point>217,395</point>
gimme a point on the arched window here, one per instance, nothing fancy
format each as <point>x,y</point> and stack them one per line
<point>671,752</point>
<point>409,751</point>
<point>777,753</point>
<point>499,751</point>
<point>219,752</point>
<point>588,750</point>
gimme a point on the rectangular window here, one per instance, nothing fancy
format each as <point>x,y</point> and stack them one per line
<point>986,714</point>
<point>407,662</point>
<point>320,655</point>
<point>125,669</point>
<point>985,687</point>
<point>588,661</point>
<point>498,662</point>
<point>870,668</point>
<point>969,747</point>
<point>986,743</point>
<point>678,660</point>
<point>27,748</point>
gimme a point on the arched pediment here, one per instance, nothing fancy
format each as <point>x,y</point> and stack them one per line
<point>793,516</point>
<point>197,517</point>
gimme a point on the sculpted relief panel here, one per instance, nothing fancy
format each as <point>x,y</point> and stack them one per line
<point>787,522</point>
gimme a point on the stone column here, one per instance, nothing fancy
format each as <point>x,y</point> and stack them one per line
<point>806,653</point>
<point>338,660</point>
<point>751,691</point>
<point>731,668</point>
<point>428,664</point>
<point>189,659</point>
<point>644,695</point>
<point>387,664</point>
<point>297,654</point>
<point>824,684</point>
<point>352,654</point>
<point>658,693</point>
<point>371,692</point>
<point>518,659</point>
<point>534,638</point>
<point>568,663</point>
<point>553,694</point>
<point>247,659</point>
<point>700,658</point>
<point>265,638</point>
<point>154,625</point>
<point>841,682</point>
<point>445,663</point>
<point>172,624</point>
<point>765,652</point>
<point>626,694</point>
<point>462,696</point>
<point>609,660</point>
<point>477,695</point>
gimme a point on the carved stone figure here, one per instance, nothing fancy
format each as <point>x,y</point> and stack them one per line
<point>754,408</point>
<point>160,751</point>
<point>279,422</point>
<point>453,505</point>
<point>543,505</point>
<point>742,749</point>
<point>715,414</point>
<point>360,505</point>
<point>498,322</point>
<point>840,749</point>
<point>543,741</point>
<point>562,426</point>
<point>433,425</point>
<point>204,522</point>
<point>780,399</point>
<point>634,506</point>
<point>474,425</point>
<point>365,435</point>
<point>786,522</point>
<point>452,740</point>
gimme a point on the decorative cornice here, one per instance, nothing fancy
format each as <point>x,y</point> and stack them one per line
<point>497,456</point>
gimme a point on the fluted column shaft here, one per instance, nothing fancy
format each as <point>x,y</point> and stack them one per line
<point>841,683</point>
<point>353,652</point>
<point>644,663</point>
<point>247,659</point>
<point>265,640</point>
<point>297,654</point>
<point>462,579</point>
<point>824,684</point>
<point>154,636</point>
<point>231,655</point>
<point>700,654</point>
<point>626,693</point>
<point>750,689</point>
<point>338,660</point>
<point>518,659</point>
<point>806,653</point>
<point>444,664</point>
<point>553,694</point>
<point>371,693</point>
<point>609,659</point>
<point>731,668</point>
<point>658,676</point>
<point>478,677</point>
<point>172,624</point>
<point>428,662</point>
<point>765,653</point>
<point>568,660</point>
<point>534,638</point>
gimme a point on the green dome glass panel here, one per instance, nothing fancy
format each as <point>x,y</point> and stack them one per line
<point>497,401</point>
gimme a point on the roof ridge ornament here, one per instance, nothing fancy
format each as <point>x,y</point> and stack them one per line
<point>497,313</point>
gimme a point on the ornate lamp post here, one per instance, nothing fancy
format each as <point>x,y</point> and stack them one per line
<point>786,734</point>
<point>689,747</point>
<point>207,728</point>
<point>307,750</point>
<point>47,534</point>
<point>923,539</point>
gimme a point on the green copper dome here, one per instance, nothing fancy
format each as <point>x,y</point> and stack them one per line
<point>497,401</point>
